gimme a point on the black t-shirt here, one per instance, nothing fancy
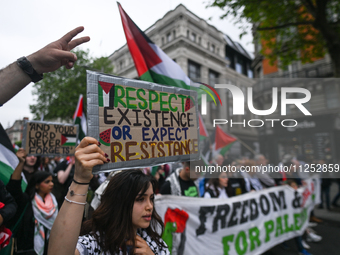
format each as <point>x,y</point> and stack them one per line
<point>188,188</point>
<point>60,190</point>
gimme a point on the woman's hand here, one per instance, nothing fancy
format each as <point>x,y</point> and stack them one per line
<point>88,154</point>
<point>21,154</point>
<point>142,248</point>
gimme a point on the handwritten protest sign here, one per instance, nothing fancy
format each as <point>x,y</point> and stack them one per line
<point>49,139</point>
<point>141,123</point>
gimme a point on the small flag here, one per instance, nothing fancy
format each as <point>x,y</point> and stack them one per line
<point>68,140</point>
<point>8,159</point>
<point>106,93</point>
<point>80,119</point>
<point>203,130</point>
<point>15,147</point>
<point>223,141</point>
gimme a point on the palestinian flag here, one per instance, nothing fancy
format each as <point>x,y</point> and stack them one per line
<point>8,159</point>
<point>106,93</point>
<point>151,62</point>
<point>68,140</point>
<point>223,141</point>
<point>80,119</point>
<point>15,147</point>
<point>203,131</point>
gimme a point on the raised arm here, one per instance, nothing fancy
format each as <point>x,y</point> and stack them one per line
<point>21,154</point>
<point>63,174</point>
<point>66,228</point>
<point>48,59</point>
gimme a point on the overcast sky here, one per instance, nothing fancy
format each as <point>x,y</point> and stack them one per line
<point>26,26</point>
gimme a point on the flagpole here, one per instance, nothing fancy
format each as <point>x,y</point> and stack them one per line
<point>245,145</point>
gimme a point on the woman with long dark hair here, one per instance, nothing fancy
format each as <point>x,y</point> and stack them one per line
<point>124,223</point>
<point>38,206</point>
<point>218,187</point>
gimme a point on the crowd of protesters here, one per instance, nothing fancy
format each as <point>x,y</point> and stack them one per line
<point>31,214</point>
<point>49,178</point>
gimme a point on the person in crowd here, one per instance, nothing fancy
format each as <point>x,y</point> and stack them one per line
<point>38,207</point>
<point>8,208</point>
<point>252,182</point>
<point>326,183</point>
<point>337,196</point>
<point>125,221</point>
<point>64,172</point>
<point>55,161</point>
<point>46,165</point>
<point>300,243</point>
<point>266,180</point>
<point>31,166</point>
<point>236,183</point>
<point>218,187</point>
<point>160,177</point>
<point>17,75</point>
<point>181,182</point>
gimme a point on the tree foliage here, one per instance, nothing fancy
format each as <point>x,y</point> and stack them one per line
<point>58,93</point>
<point>290,30</point>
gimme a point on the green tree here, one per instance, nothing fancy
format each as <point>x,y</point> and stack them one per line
<point>58,93</point>
<point>291,30</point>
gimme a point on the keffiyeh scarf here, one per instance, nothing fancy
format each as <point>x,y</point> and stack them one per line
<point>44,215</point>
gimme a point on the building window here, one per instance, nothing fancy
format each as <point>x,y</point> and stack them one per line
<point>121,64</point>
<point>174,33</point>
<point>168,37</point>
<point>193,37</point>
<point>212,48</point>
<point>250,74</point>
<point>199,40</point>
<point>162,40</point>
<point>194,71</point>
<point>188,33</point>
<point>213,78</point>
<point>239,65</point>
<point>239,68</point>
<point>331,94</point>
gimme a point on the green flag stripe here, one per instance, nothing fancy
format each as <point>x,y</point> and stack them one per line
<point>225,149</point>
<point>69,144</point>
<point>167,81</point>
<point>5,175</point>
<point>81,132</point>
<point>100,96</point>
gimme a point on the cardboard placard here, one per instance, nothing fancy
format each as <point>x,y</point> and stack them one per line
<point>49,139</point>
<point>140,123</point>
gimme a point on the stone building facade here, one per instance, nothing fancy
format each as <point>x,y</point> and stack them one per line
<point>315,137</point>
<point>206,55</point>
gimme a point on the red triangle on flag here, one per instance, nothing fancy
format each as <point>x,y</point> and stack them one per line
<point>106,86</point>
<point>222,139</point>
<point>203,130</point>
<point>63,139</point>
<point>79,110</point>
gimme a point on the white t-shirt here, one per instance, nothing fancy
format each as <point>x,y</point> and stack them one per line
<point>223,193</point>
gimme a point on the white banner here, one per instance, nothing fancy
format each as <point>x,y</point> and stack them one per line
<point>248,224</point>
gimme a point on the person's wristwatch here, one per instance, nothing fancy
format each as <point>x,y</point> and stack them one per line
<point>27,67</point>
